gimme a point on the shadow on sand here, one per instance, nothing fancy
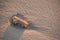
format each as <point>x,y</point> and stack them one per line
<point>15,32</point>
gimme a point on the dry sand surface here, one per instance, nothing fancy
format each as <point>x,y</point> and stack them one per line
<point>43,14</point>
